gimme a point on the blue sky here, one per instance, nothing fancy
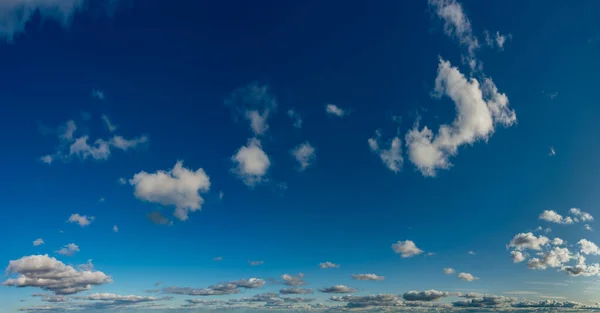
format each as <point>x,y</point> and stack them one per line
<point>190,156</point>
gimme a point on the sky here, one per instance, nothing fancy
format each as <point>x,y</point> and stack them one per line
<point>292,156</point>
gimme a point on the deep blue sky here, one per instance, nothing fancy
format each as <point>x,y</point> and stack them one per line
<point>167,68</point>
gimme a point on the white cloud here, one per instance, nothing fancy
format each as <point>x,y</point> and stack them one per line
<point>587,247</point>
<point>449,271</point>
<point>552,151</point>
<point>328,265</point>
<point>14,14</point>
<point>391,157</point>
<point>581,216</point>
<point>367,277</point>
<point>524,241</point>
<point>467,277</point>
<point>335,110</point>
<point>115,229</point>
<point>582,269</point>
<point>67,131</point>
<point>98,94</point>
<point>552,258</point>
<point>68,250</point>
<point>456,23</point>
<point>179,187</point>
<point>517,256</point>
<point>122,180</point>
<point>256,263</point>
<point>553,217</point>
<point>110,126</point>
<point>295,117</point>
<point>379,301</point>
<point>293,281</point>
<point>406,248</point>
<point>338,289</point>
<point>304,154</point>
<point>254,103</point>
<point>479,109</point>
<point>557,241</point>
<point>82,220</point>
<point>587,227</point>
<point>50,274</point>
<point>252,163</point>
<point>38,242</point>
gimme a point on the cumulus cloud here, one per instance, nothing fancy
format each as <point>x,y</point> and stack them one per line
<point>82,220</point>
<point>38,242</point>
<point>49,274</point>
<point>427,295</point>
<point>581,216</point>
<point>517,256</point>
<point>406,248</point>
<point>251,163</point>
<point>582,269</point>
<point>328,264</point>
<point>392,156</point>
<point>179,187</point>
<point>449,271</point>
<point>587,227</point>
<point>228,288</point>
<point>479,108</point>
<point>587,247</point>
<point>552,258</point>
<point>68,250</point>
<point>335,110</point>
<point>367,277</point>
<point>553,217</point>
<point>467,277</point>
<point>304,154</point>
<point>295,117</point>
<point>338,289</point>
<point>254,103</point>
<point>293,281</point>
<point>295,291</point>
<point>524,241</point>
<point>380,300</point>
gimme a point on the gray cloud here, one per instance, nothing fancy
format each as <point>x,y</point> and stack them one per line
<point>367,277</point>
<point>381,300</point>
<point>295,291</point>
<point>338,289</point>
<point>427,295</point>
<point>219,289</point>
<point>293,281</point>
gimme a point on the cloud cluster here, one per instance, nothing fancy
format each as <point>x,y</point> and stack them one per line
<point>295,291</point>
<point>49,274</point>
<point>228,288</point>
<point>406,248</point>
<point>576,216</point>
<point>479,108</point>
<point>456,23</point>
<point>179,187</point>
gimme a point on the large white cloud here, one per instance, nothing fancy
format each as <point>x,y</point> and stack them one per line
<point>406,248</point>
<point>48,273</point>
<point>479,108</point>
<point>304,155</point>
<point>251,163</point>
<point>179,187</point>
<point>524,241</point>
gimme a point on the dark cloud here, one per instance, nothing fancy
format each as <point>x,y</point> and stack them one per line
<point>427,295</point>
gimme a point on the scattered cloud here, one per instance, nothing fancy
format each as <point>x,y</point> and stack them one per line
<point>391,157</point>
<point>581,216</point>
<point>524,241</point>
<point>456,24</point>
<point>38,242</point>
<point>82,220</point>
<point>335,110</point>
<point>110,126</point>
<point>295,117</point>
<point>449,271</point>
<point>587,247</point>
<point>467,277</point>
<point>252,163</point>
<point>479,109</point>
<point>406,248</point>
<point>159,219</point>
<point>517,256</point>
<point>370,301</point>
<point>576,216</point>
<point>68,250</point>
<point>221,195</point>
<point>486,301</point>
<point>552,151</point>
<point>115,229</point>
<point>471,252</point>
<point>218,258</point>
<point>587,227</point>
<point>296,291</point>
<point>122,180</point>
<point>228,288</point>
<point>496,40</point>
<point>428,295</point>
<point>304,154</point>
<point>328,265</point>
<point>256,263</point>
<point>98,94</point>
<point>49,274</point>
<point>253,103</point>
<point>551,258</point>
<point>338,289</point>
<point>367,277</point>
<point>179,187</point>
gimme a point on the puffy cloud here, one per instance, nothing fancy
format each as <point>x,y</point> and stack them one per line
<point>486,301</point>
<point>479,108</point>
<point>467,277</point>
<point>179,187</point>
<point>252,163</point>
<point>14,14</point>
<point>335,110</point>
<point>304,154</point>
<point>391,157</point>
<point>582,269</point>
<point>49,274</point>
<point>328,264</point>
<point>587,247</point>
<point>367,277</point>
<point>406,248</point>
<point>587,227</point>
<point>338,289</point>
<point>68,250</point>
<point>295,117</point>
<point>524,241</point>
<point>293,281</point>
<point>82,220</point>
<point>552,258</point>
<point>115,229</point>
<point>456,23</point>
<point>256,263</point>
<point>38,242</point>
<point>380,300</point>
<point>449,271</point>
<point>110,126</point>
<point>427,295</point>
<point>295,291</point>
<point>254,103</point>
<point>553,217</point>
<point>232,287</point>
<point>557,242</point>
<point>517,256</point>
<point>582,216</point>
